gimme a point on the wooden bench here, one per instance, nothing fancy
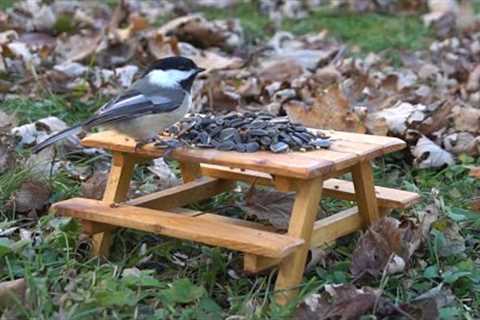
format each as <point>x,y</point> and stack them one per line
<point>209,172</point>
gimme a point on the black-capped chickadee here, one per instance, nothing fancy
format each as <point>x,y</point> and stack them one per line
<point>160,98</point>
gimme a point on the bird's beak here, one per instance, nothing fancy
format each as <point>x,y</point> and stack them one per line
<point>199,70</point>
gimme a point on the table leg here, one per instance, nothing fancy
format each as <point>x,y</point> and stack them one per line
<point>304,212</point>
<point>190,171</point>
<point>116,191</point>
<point>362,175</point>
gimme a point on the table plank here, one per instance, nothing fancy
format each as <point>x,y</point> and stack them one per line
<point>347,149</point>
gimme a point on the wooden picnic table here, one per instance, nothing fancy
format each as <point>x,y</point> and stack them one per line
<point>207,172</point>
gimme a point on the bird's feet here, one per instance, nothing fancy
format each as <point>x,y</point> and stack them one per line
<point>168,145</point>
<point>142,143</point>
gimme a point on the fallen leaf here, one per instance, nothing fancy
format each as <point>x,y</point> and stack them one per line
<point>12,291</point>
<point>466,119</point>
<point>428,155</point>
<point>462,143</point>
<point>125,75</point>
<point>31,196</point>
<point>450,241</point>
<point>165,175</point>
<point>386,246</point>
<point>285,70</point>
<point>343,302</point>
<point>330,110</point>
<point>94,187</point>
<point>8,157</point>
<point>270,206</point>
<point>78,47</point>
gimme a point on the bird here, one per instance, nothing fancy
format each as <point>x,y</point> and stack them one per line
<point>157,100</point>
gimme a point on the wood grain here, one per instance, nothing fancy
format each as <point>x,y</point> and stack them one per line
<point>116,190</point>
<point>207,231</point>
<point>347,148</point>
<point>305,208</point>
<point>184,194</point>
<point>365,196</point>
<point>336,188</point>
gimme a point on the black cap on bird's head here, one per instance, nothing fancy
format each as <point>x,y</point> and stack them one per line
<point>178,67</point>
<point>174,63</point>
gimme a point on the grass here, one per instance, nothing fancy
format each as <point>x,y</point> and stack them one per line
<point>184,280</point>
<point>370,32</point>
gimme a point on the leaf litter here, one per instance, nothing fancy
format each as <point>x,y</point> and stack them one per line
<point>429,97</point>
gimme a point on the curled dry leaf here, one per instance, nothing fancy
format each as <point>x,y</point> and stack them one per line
<point>462,143</point>
<point>202,33</point>
<point>330,110</point>
<point>466,119</point>
<point>268,205</point>
<point>428,155</point>
<point>12,291</point>
<point>386,246</point>
<point>94,187</point>
<point>339,302</point>
<point>31,196</point>
<point>7,152</point>
<point>78,47</point>
<point>166,177</point>
<point>452,241</point>
<point>279,71</point>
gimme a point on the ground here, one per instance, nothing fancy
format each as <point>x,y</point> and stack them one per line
<point>183,280</point>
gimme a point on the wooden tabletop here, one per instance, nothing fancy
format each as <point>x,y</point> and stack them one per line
<point>346,150</point>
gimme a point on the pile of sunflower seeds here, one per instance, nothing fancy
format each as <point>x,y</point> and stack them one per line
<point>246,132</point>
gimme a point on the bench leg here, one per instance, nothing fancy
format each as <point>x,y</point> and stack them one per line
<point>362,175</point>
<point>116,191</point>
<point>304,212</point>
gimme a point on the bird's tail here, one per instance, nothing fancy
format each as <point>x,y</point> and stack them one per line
<point>57,137</point>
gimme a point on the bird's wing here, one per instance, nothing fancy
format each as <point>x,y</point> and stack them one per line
<point>135,103</point>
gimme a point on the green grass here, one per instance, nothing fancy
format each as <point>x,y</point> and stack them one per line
<point>370,32</point>
<point>28,110</point>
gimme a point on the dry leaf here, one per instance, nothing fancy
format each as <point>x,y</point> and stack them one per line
<point>285,70</point>
<point>31,196</point>
<point>271,206</point>
<point>453,243</point>
<point>343,302</point>
<point>12,291</point>
<point>428,155</point>
<point>330,110</point>
<point>466,119</point>
<point>386,246</point>
<point>7,152</point>
<point>77,48</point>
<point>462,143</point>
<point>94,187</point>
<point>166,177</point>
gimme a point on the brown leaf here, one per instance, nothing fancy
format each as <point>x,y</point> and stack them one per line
<point>330,110</point>
<point>160,46</point>
<point>466,119</point>
<point>11,291</point>
<point>94,187</point>
<point>77,47</point>
<point>475,172</point>
<point>284,70</point>
<point>338,302</point>
<point>267,205</point>
<point>31,196</point>
<point>473,83</point>
<point>387,245</point>
<point>7,152</point>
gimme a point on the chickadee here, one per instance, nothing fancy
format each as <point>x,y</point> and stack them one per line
<point>160,98</point>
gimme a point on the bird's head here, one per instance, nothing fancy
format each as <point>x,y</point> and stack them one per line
<point>173,72</point>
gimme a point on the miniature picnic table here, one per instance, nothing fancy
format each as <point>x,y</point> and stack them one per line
<point>208,172</point>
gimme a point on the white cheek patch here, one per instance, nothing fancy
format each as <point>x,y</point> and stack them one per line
<point>170,78</point>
